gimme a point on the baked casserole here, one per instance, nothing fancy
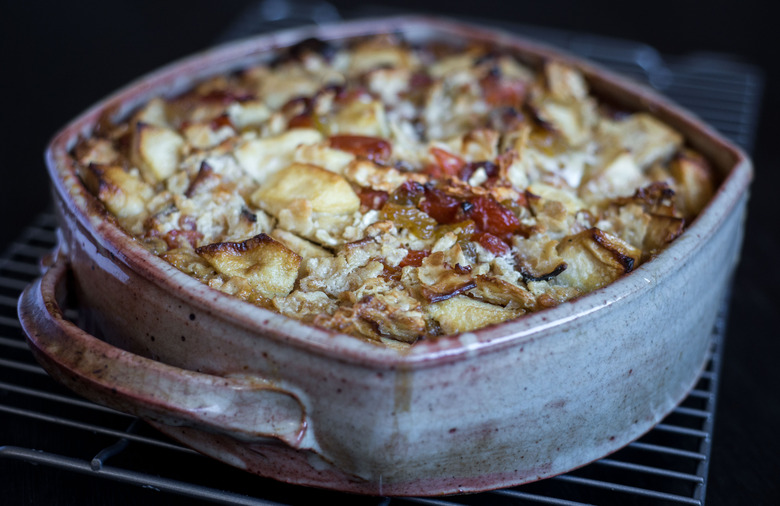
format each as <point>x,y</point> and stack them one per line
<point>397,192</point>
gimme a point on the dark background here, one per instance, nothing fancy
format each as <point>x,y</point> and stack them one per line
<point>60,57</point>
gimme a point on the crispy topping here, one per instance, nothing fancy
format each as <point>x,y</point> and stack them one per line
<point>394,192</point>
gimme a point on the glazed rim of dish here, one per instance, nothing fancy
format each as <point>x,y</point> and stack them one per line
<point>729,161</point>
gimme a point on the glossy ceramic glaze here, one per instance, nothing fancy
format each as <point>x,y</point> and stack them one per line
<point>504,405</point>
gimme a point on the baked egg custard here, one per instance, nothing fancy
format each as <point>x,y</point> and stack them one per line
<point>397,192</point>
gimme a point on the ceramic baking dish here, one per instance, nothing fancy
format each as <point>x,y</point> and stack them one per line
<point>509,404</point>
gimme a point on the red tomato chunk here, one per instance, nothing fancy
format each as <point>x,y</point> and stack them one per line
<point>372,148</point>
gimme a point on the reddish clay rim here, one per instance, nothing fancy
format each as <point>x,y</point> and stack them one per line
<point>729,159</point>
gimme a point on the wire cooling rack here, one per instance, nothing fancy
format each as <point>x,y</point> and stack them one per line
<point>666,466</point>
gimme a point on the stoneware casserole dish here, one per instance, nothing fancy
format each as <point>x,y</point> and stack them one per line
<point>505,405</point>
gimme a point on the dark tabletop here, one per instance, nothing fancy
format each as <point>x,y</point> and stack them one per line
<point>60,57</point>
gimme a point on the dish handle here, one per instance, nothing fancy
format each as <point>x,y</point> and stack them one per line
<point>248,408</point>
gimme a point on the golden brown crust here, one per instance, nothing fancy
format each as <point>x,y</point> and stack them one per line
<point>397,193</point>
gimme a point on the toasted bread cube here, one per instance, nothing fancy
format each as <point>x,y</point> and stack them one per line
<point>124,194</point>
<point>497,291</point>
<point>620,176</point>
<point>283,83</point>
<point>156,151</point>
<point>548,192</point>
<point>480,144</point>
<point>629,222</point>
<point>202,135</point>
<point>388,83</point>
<point>97,150</point>
<point>268,266</point>
<point>445,274</point>
<point>370,175</point>
<point>304,248</point>
<point>661,230</point>
<point>186,260</point>
<point>594,258</point>
<point>512,69</point>
<point>648,140</point>
<point>249,113</point>
<point>538,258</point>
<point>155,112</point>
<point>393,313</point>
<point>335,160</point>
<point>567,120</point>
<point>566,106</point>
<point>361,118</point>
<point>564,82</point>
<point>462,314</point>
<point>325,191</point>
<point>374,54</point>
<point>693,183</point>
<point>261,158</point>
<point>451,64</point>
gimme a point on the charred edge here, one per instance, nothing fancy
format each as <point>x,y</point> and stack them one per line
<point>96,206</point>
<point>366,318</point>
<point>460,269</point>
<point>236,248</point>
<point>544,277</point>
<point>204,173</point>
<point>432,296</point>
<point>624,260</point>
<point>304,106</point>
<point>529,198</point>
<point>673,228</point>
<point>248,215</point>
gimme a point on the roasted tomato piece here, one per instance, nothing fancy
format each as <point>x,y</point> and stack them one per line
<point>303,120</point>
<point>414,258</point>
<point>491,243</point>
<point>372,199</point>
<point>441,207</point>
<point>221,121</point>
<point>226,96</point>
<point>500,92</point>
<point>373,148</point>
<point>420,79</point>
<point>298,105</point>
<point>446,163</point>
<point>490,216</point>
<point>419,83</point>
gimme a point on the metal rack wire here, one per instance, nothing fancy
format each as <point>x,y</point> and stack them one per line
<point>666,466</point>
<point>669,464</point>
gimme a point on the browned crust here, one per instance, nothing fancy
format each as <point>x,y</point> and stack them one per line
<point>624,260</point>
<point>235,248</point>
